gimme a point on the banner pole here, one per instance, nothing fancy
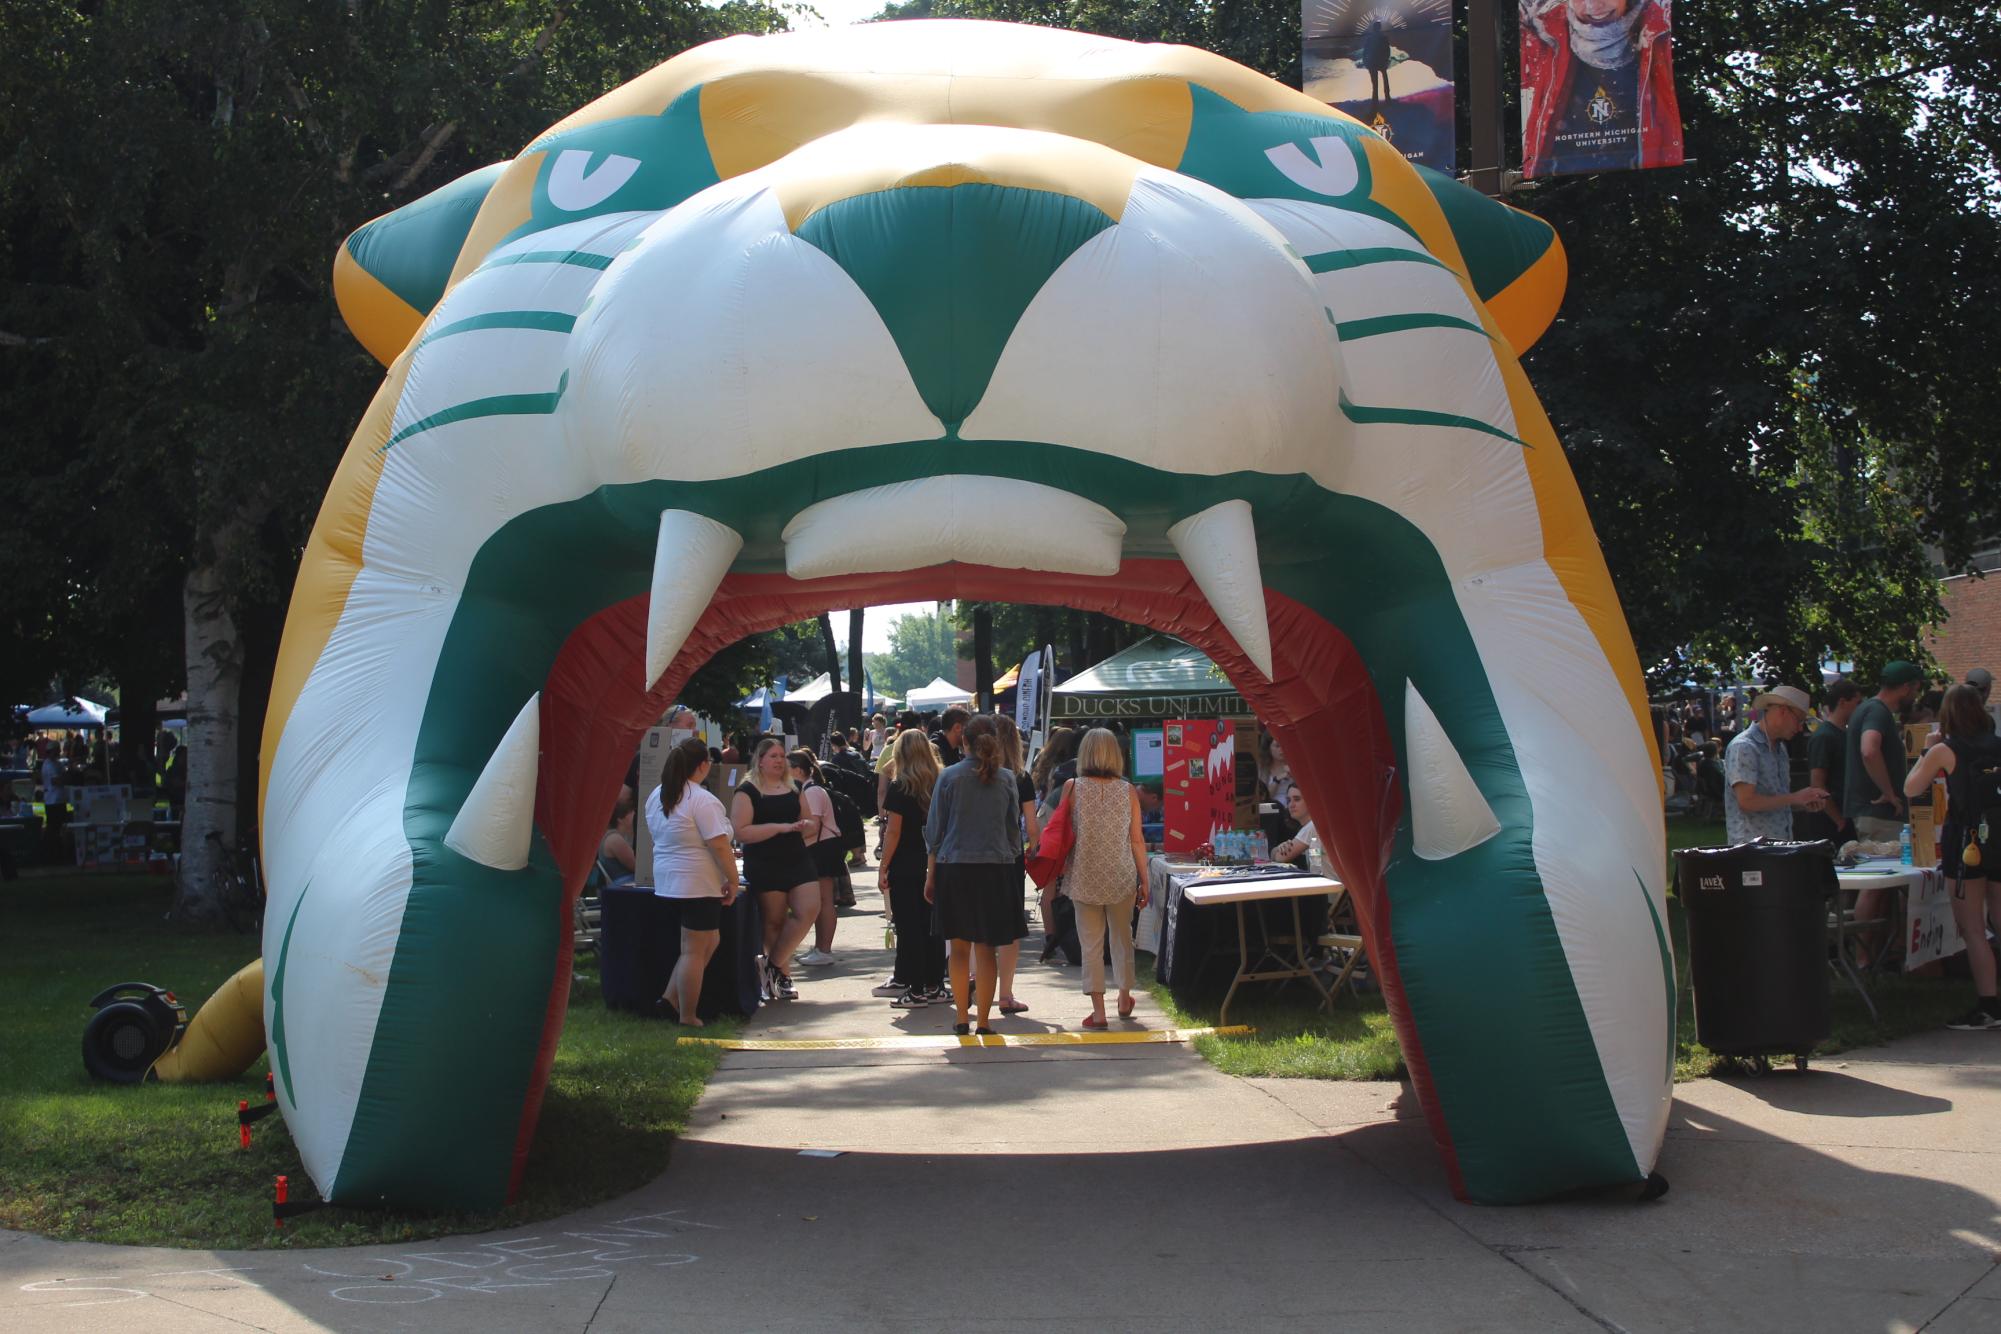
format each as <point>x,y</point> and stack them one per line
<point>1484,103</point>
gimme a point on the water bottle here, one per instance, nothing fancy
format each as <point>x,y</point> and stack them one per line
<point>1904,845</point>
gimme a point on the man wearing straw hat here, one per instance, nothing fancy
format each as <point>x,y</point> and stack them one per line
<point>1757,771</point>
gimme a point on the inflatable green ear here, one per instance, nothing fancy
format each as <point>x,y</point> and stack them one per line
<point>1513,258</point>
<point>945,309</point>
<point>393,270</point>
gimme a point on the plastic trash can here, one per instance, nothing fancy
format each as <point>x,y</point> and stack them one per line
<point>1757,946</point>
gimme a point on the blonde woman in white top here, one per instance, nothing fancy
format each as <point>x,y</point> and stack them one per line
<point>1106,874</point>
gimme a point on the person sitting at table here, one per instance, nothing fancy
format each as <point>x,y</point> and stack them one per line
<point>1297,848</point>
<point>615,855</point>
<point>694,865</point>
<point>1969,757</point>
<point>1106,875</point>
<point>1759,802</point>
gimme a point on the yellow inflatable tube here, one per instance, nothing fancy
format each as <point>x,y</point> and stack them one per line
<point>226,1034</point>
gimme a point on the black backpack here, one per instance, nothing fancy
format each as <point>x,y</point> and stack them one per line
<point>847,815</point>
<point>858,788</point>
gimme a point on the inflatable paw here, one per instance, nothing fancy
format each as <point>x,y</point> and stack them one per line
<point>936,310</point>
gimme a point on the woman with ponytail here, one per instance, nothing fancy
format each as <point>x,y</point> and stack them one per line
<point>974,838</point>
<point>694,865</point>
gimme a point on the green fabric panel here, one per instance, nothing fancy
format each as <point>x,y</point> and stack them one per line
<point>411,251</point>
<point>1512,1058</point>
<point>1227,145</point>
<point>1667,968</point>
<point>1157,665</point>
<point>1351,330</point>
<point>672,152</point>
<point>1333,261</point>
<point>281,1056</point>
<point>950,269</point>
<point>1366,415</point>
<point>1498,243</point>
<point>553,321</point>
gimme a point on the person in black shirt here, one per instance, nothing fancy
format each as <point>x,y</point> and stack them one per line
<point>1827,759</point>
<point>1969,759</point>
<point>951,738</point>
<point>772,827</point>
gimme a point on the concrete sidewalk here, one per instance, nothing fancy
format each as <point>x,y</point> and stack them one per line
<point>1137,1187</point>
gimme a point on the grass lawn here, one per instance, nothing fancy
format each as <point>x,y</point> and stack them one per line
<point>1296,1041</point>
<point>159,1164</point>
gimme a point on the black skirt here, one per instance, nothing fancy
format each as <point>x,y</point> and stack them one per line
<point>979,902</point>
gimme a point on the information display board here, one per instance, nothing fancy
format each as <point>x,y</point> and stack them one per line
<point>1199,781</point>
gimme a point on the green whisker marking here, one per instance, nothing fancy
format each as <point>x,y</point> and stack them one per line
<point>1350,330</point>
<point>554,321</point>
<point>1332,261</point>
<point>500,405</point>
<point>1363,415</point>
<point>582,259</point>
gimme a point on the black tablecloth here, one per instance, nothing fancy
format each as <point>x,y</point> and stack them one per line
<point>640,941</point>
<point>1189,932</point>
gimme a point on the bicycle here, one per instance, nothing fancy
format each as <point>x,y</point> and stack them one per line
<point>238,883</point>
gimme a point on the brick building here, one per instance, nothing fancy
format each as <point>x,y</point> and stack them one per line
<point>1971,635</point>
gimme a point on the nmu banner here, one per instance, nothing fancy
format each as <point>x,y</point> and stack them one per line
<point>1597,87</point>
<point>1387,63</point>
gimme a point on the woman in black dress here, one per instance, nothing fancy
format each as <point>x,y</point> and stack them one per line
<point>920,955</point>
<point>773,829</point>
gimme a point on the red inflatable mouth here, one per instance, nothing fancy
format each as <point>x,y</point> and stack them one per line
<point>1321,704</point>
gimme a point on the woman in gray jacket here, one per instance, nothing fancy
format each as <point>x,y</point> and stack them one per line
<point>973,834</point>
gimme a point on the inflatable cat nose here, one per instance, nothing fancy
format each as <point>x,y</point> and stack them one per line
<point>942,309</point>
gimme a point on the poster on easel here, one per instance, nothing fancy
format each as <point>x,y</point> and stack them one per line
<point>1198,781</point>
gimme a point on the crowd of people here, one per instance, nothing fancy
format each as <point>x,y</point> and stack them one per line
<point>959,813</point>
<point>1861,782</point>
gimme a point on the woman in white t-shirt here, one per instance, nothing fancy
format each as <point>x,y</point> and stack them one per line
<point>1300,844</point>
<point>693,864</point>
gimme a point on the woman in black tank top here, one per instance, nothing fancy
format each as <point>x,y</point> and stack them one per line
<point>1969,840</point>
<point>772,827</point>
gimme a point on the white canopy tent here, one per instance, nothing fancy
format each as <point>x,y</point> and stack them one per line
<point>60,714</point>
<point>940,694</point>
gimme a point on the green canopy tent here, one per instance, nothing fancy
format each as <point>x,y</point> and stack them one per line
<point>1159,677</point>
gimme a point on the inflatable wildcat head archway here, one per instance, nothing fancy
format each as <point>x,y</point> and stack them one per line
<point>942,309</point>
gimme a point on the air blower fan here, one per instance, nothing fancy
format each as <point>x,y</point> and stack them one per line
<point>136,1023</point>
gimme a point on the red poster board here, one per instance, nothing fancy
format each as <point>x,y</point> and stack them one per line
<point>1198,781</point>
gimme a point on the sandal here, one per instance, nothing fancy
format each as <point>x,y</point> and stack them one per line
<point>962,1030</point>
<point>1126,1010</point>
<point>662,1008</point>
<point>1013,1007</point>
<point>985,1032</point>
<point>1092,1021</point>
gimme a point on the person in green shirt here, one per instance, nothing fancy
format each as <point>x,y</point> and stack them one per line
<point>1873,781</point>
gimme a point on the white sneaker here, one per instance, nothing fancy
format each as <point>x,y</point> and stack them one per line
<point>816,958</point>
<point>889,988</point>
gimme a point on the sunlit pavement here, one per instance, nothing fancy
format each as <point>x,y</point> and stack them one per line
<point>1133,1186</point>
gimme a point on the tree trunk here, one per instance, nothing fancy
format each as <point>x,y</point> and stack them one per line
<point>1079,650</point>
<point>833,652</point>
<point>983,657</point>
<point>215,673</point>
<point>857,669</point>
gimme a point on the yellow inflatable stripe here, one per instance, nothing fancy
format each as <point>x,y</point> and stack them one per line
<point>326,571</point>
<point>1071,167</point>
<point>1525,307</point>
<point>949,1042</point>
<point>1571,547</point>
<point>382,321</point>
<point>225,1036</point>
<point>1394,185</point>
<point>506,207</point>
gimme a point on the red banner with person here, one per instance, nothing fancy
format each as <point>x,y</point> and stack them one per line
<point>1597,87</point>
